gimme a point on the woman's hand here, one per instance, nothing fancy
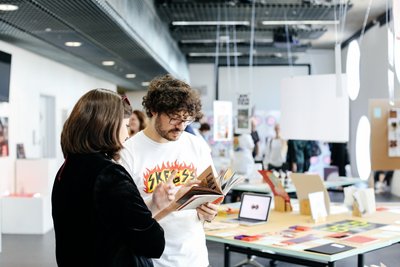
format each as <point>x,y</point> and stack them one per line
<point>164,194</point>
<point>207,212</point>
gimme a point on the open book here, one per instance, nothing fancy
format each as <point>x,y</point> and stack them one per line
<point>211,189</point>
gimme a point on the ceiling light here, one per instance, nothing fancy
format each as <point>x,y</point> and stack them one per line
<point>209,23</point>
<point>297,22</point>
<point>363,160</point>
<point>73,44</point>
<point>8,7</point>
<point>353,70</point>
<point>108,63</point>
<point>212,41</point>
<point>224,38</point>
<point>130,75</point>
<point>213,54</point>
<point>145,83</point>
<point>391,86</point>
<point>397,58</point>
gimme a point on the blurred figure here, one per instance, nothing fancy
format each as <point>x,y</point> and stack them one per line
<point>243,161</point>
<point>339,156</point>
<point>276,150</point>
<point>255,137</point>
<point>382,181</point>
<point>298,155</point>
<point>204,130</point>
<point>137,122</point>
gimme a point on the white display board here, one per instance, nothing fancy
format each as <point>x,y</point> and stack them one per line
<point>223,127</point>
<point>262,83</point>
<point>313,108</point>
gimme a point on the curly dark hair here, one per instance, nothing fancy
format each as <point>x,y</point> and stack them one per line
<point>169,95</point>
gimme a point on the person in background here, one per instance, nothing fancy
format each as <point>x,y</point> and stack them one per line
<point>99,216</point>
<point>298,156</point>
<point>275,153</point>
<point>255,137</point>
<point>243,161</point>
<point>152,154</point>
<point>205,130</point>
<point>137,122</point>
<point>339,156</point>
<point>382,181</point>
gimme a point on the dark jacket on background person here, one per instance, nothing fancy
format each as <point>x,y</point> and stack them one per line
<point>99,217</point>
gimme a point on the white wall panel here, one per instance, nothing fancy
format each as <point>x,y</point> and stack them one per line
<point>312,109</point>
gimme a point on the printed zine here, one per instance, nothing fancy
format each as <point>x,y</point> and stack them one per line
<point>211,189</point>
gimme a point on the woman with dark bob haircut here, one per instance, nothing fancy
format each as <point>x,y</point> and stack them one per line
<point>99,216</point>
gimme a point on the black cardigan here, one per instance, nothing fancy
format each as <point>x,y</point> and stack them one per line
<point>99,217</point>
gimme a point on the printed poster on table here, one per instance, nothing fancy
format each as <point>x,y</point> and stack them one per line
<point>223,128</point>
<point>394,132</point>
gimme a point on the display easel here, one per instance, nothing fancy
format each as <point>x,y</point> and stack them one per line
<point>306,184</point>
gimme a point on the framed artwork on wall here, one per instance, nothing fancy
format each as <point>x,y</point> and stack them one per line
<point>4,151</point>
<point>21,151</point>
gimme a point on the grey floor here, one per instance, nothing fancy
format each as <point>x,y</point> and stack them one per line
<point>38,250</point>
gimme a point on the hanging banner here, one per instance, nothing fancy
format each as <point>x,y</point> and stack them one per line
<point>223,129</point>
<point>243,114</point>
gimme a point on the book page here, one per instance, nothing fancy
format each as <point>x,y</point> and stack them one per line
<point>197,200</point>
<point>208,190</point>
<point>197,190</point>
<point>208,180</point>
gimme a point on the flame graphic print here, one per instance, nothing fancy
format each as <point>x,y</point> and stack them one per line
<point>159,174</point>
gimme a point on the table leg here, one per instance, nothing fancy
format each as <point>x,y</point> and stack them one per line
<point>226,255</point>
<point>331,264</point>
<point>360,260</point>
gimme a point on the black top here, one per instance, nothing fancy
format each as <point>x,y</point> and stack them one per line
<point>99,217</point>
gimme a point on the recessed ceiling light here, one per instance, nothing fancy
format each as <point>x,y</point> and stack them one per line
<point>47,30</point>
<point>145,83</point>
<point>8,7</point>
<point>108,63</point>
<point>130,75</point>
<point>209,23</point>
<point>212,54</point>
<point>73,44</point>
<point>296,22</point>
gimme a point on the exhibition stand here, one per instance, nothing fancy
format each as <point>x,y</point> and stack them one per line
<point>28,210</point>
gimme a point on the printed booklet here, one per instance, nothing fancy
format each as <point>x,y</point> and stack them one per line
<point>210,189</point>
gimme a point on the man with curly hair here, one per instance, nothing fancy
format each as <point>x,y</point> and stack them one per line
<point>161,148</point>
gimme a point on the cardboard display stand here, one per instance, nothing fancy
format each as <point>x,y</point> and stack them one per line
<point>306,184</point>
<point>281,205</point>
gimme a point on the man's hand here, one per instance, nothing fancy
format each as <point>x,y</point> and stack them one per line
<point>207,212</point>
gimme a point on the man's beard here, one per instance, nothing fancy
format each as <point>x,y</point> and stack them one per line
<point>165,133</point>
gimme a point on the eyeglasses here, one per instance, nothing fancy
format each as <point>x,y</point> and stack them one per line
<point>125,99</point>
<point>177,121</point>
